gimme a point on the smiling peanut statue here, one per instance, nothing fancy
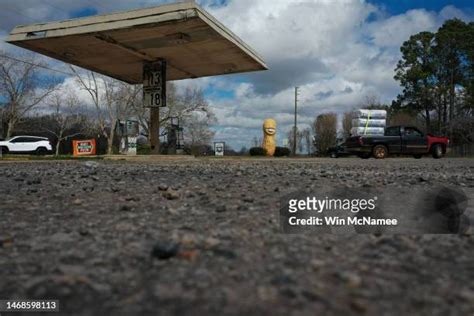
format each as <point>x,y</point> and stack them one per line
<point>269,132</point>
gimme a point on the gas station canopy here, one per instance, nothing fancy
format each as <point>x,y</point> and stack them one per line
<point>193,43</point>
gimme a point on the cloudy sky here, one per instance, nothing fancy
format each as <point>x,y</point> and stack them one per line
<point>337,51</point>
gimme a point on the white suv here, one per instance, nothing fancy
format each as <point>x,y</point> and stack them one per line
<point>26,144</point>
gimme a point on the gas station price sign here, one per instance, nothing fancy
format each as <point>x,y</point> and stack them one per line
<point>154,84</point>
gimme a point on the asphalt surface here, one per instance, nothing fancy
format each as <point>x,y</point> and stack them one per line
<point>203,238</point>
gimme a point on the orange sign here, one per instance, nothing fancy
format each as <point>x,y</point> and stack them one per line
<point>84,147</point>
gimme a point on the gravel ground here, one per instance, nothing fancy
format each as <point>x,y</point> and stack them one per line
<point>203,237</point>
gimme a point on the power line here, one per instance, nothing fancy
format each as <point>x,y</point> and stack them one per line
<point>37,65</point>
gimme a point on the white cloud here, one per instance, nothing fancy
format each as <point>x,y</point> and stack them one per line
<point>450,12</point>
<point>397,29</point>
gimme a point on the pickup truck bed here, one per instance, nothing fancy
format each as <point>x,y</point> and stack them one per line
<point>398,140</point>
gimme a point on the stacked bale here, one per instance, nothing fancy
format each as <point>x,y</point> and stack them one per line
<point>368,122</point>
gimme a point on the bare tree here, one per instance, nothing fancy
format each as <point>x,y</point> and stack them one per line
<point>347,124</point>
<point>463,129</point>
<point>189,106</point>
<point>325,130</point>
<point>22,88</point>
<point>403,118</point>
<point>112,99</point>
<point>68,122</point>
<point>185,105</point>
<point>255,142</point>
<point>197,130</point>
<point>371,101</point>
<point>193,111</point>
<point>3,120</point>
<point>306,135</point>
<point>299,139</point>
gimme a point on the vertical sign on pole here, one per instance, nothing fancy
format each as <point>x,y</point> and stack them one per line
<point>154,97</point>
<point>154,84</point>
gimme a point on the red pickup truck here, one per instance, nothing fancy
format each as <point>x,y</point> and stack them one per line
<point>398,140</point>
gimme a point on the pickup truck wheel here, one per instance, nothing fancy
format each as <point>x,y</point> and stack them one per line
<point>417,156</point>
<point>437,151</point>
<point>41,151</point>
<point>4,150</point>
<point>380,152</point>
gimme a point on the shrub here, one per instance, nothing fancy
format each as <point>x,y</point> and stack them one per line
<point>282,152</point>
<point>144,149</point>
<point>199,150</point>
<point>257,151</point>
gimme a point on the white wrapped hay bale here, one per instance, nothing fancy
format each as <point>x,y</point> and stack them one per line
<point>361,131</point>
<point>368,122</point>
<point>370,114</point>
<point>363,122</point>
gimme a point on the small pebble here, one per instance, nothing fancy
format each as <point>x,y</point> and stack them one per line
<point>165,250</point>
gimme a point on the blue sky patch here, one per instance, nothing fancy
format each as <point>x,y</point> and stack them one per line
<point>395,7</point>
<point>87,11</point>
<point>219,93</point>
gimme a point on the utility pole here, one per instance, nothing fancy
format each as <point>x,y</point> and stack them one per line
<point>295,128</point>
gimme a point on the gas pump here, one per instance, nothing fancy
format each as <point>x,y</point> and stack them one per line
<point>175,137</point>
<point>128,131</point>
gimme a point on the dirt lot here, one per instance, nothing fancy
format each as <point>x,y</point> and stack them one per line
<point>202,237</point>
